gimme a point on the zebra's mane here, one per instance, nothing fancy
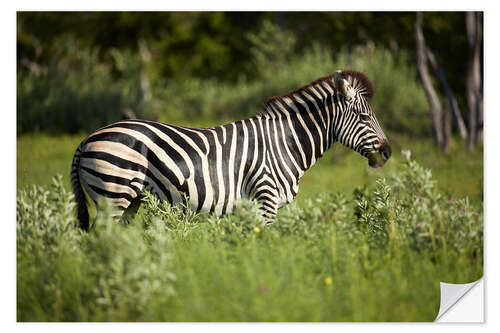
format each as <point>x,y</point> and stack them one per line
<point>325,79</point>
<point>358,80</point>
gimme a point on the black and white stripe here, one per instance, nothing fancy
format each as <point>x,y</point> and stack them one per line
<point>262,157</point>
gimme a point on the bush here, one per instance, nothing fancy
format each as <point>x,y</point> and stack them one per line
<point>332,258</point>
<point>413,211</point>
<point>78,92</point>
<point>64,274</point>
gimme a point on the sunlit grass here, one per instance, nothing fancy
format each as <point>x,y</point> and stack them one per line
<point>458,174</point>
<point>41,156</point>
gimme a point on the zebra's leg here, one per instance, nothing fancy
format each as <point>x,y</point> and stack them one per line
<point>268,211</point>
<point>265,192</point>
<point>131,210</point>
<point>268,201</point>
<point>119,209</point>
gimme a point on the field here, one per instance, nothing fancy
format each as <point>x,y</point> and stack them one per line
<point>358,245</point>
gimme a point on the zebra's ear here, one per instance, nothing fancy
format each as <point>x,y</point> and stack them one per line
<point>342,85</point>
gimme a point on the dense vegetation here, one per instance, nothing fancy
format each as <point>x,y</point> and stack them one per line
<point>320,261</point>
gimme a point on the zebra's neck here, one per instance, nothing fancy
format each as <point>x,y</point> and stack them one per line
<point>297,130</point>
<point>304,120</point>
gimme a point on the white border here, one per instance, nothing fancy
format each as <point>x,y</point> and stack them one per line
<point>255,5</point>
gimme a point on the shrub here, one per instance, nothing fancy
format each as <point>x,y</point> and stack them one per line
<point>64,274</point>
<point>330,258</point>
<point>78,91</point>
<point>411,209</point>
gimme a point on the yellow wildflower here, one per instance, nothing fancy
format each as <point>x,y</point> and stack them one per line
<point>256,229</point>
<point>328,281</point>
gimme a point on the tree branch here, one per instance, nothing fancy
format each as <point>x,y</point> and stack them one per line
<point>452,101</point>
<point>430,92</point>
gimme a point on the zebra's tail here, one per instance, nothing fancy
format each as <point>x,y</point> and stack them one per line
<point>81,201</point>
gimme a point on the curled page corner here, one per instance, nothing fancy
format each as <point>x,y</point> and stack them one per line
<point>451,294</point>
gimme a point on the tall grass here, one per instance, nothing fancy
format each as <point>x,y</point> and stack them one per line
<point>377,255</point>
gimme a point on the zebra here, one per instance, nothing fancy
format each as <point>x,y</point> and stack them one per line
<point>261,158</point>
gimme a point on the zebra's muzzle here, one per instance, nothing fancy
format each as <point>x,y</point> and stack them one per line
<point>378,159</point>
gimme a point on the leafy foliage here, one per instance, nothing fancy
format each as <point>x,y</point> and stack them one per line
<point>79,91</point>
<point>422,217</point>
<point>331,258</point>
<point>115,273</point>
<point>205,44</point>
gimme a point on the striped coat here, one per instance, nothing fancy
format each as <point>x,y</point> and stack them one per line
<point>262,157</point>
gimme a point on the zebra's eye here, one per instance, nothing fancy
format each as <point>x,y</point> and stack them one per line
<point>364,117</point>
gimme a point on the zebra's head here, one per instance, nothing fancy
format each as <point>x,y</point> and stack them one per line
<point>356,126</point>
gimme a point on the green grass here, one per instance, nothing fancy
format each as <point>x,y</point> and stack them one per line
<point>460,174</point>
<point>377,254</point>
<point>41,156</point>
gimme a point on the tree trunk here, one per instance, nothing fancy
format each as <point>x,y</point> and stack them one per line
<point>473,84</point>
<point>430,92</point>
<point>450,97</point>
